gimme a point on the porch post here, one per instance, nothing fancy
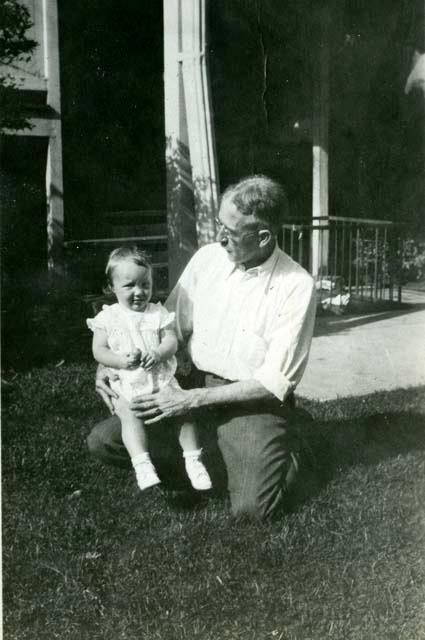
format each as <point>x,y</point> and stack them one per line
<point>54,177</point>
<point>320,239</point>
<point>42,74</point>
<point>192,191</point>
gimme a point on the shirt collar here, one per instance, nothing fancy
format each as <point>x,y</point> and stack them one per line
<point>265,267</point>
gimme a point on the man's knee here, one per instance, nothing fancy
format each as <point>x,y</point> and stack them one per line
<point>250,508</point>
<point>95,444</point>
<point>104,443</point>
<point>257,506</point>
<point>265,497</point>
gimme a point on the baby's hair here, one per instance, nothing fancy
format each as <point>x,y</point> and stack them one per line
<point>132,253</point>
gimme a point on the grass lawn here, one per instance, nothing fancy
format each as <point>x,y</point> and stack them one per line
<point>86,555</point>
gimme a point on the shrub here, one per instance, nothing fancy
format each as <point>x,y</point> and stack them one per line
<point>43,322</point>
<point>413,263</point>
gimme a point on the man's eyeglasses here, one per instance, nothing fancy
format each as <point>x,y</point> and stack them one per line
<point>229,233</point>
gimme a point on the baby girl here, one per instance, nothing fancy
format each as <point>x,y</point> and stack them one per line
<point>137,338</point>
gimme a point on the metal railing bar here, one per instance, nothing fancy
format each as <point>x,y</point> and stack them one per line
<point>335,275</point>
<point>350,259</point>
<point>300,247</point>
<point>303,227</point>
<point>384,264</point>
<point>400,253</point>
<point>357,260</point>
<point>376,263</point>
<point>364,221</point>
<point>360,221</point>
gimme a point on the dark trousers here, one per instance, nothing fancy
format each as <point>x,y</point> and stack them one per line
<point>251,447</point>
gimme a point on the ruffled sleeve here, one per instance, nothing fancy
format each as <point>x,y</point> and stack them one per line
<point>166,318</point>
<point>101,321</point>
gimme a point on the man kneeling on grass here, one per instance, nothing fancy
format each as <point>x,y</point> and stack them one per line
<point>245,311</point>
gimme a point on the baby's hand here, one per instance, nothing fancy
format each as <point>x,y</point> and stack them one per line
<point>132,360</point>
<point>150,359</point>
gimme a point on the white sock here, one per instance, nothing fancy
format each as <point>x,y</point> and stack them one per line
<point>194,454</point>
<point>146,474</point>
<point>140,458</point>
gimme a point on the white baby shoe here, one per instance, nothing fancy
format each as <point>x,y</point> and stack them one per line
<point>146,474</point>
<point>196,471</point>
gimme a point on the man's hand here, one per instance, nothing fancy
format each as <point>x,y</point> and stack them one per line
<point>166,403</point>
<point>103,375</point>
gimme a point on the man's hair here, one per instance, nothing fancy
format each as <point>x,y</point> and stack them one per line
<point>133,253</point>
<point>260,197</point>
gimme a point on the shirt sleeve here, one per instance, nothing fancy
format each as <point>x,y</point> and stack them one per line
<point>289,344</point>
<point>180,301</point>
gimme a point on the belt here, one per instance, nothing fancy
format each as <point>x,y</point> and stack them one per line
<point>212,380</point>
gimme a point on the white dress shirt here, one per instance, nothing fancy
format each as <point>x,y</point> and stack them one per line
<point>246,324</point>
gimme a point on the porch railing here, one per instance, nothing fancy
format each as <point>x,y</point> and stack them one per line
<point>355,256</point>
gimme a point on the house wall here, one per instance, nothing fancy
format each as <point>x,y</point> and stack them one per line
<point>376,130</point>
<point>263,63</point>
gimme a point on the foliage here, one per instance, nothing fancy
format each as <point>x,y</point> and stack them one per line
<point>15,22</point>
<point>15,47</point>
<point>413,265</point>
<point>44,322</point>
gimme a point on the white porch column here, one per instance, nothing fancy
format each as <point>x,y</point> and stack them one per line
<point>192,191</point>
<point>54,177</point>
<point>320,240</point>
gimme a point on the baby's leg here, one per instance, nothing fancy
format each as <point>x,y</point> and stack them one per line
<point>196,471</point>
<point>135,439</point>
<point>188,437</point>
<point>134,433</point>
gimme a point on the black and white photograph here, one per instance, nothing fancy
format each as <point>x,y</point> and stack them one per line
<point>212,319</point>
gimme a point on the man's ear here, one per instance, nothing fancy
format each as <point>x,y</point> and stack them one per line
<point>265,236</point>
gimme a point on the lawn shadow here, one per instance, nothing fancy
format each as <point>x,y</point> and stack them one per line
<point>330,447</point>
<point>327,447</point>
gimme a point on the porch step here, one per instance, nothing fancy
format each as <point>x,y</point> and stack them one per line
<point>128,239</point>
<point>147,229</point>
<point>142,216</point>
<point>86,267</point>
<point>121,230</point>
<point>143,224</point>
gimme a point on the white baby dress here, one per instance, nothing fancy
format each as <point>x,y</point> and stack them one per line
<point>128,330</point>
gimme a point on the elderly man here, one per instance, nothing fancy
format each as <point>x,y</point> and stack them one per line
<point>245,310</point>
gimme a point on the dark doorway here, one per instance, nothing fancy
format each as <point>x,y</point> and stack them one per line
<point>23,211</point>
<point>111,57</point>
<point>23,241</point>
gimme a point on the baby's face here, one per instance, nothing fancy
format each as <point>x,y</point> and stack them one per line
<point>132,285</point>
